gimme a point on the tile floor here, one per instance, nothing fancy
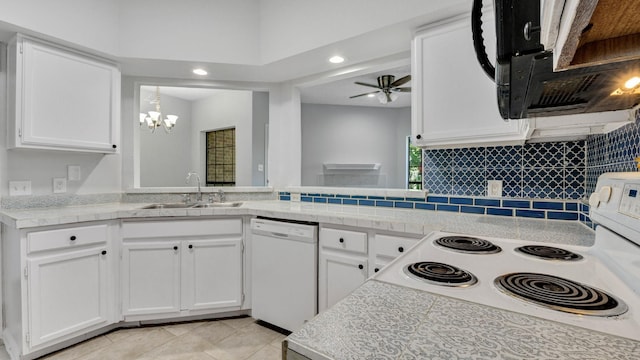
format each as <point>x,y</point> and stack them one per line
<point>225,339</point>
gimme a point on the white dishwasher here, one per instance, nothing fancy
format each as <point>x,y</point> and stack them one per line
<point>284,272</point>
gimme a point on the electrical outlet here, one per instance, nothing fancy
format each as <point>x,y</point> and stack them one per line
<point>494,188</point>
<point>17,188</point>
<point>295,196</point>
<point>73,173</point>
<point>59,185</point>
<point>260,167</point>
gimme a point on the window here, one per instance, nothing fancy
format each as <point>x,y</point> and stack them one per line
<point>221,157</point>
<point>414,166</point>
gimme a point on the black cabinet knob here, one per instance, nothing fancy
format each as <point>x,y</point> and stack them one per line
<point>104,252</point>
<point>72,238</point>
<point>376,270</point>
<point>360,266</point>
<point>175,248</point>
<point>190,246</point>
<point>400,249</point>
<point>418,136</point>
<point>114,146</point>
<point>341,240</point>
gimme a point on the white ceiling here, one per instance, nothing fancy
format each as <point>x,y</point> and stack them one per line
<point>184,93</point>
<point>338,92</point>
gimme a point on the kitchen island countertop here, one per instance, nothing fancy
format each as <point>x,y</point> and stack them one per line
<point>385,321</point>
<point>419,222</point>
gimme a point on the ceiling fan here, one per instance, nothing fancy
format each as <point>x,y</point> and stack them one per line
<point>387,86</point>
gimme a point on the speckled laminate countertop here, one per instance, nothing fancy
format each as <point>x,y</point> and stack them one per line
<point>399,220</point>
<point>385,321</point>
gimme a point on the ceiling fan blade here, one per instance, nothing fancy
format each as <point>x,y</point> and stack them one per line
<point>402,89</point>
<point>355,96</point>
<point>401,81</point>
<point>364,84</point>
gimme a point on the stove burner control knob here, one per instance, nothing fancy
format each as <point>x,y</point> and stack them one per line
<point>605,194</point>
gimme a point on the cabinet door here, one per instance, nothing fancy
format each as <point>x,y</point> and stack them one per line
<point>151,278</point>
<point>339,275</point>
<point>211,274</point>
<point>65,99</point>
<point>453,101</point>
<point>67,293</point>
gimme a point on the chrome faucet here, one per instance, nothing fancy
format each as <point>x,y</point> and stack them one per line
<point>199,196</point>
<point>217,197</point>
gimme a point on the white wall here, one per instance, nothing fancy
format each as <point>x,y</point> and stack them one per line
<point>197,30</point>
<point>230,108</point>
<point>90,23</point>
<point>285,146</point>
<point>165,158</point>
<point>354,134</point>
<point>260,120</point>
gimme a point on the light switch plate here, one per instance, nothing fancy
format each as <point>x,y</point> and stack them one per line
<point>17,188</point>
<point>73,173</point>
<point>494,188</point>
<point>59,185</point>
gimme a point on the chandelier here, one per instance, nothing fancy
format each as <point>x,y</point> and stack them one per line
<point>153,119</point>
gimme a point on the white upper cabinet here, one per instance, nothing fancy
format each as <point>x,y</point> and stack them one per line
<point>454,103</point>
<point>62,99</point>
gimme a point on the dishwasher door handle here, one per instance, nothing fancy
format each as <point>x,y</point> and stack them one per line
<point>280,235</point>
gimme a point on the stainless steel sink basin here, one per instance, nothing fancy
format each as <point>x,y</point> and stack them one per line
<point>217,204</point>
<point>192,206</point>
<point>167,206</point>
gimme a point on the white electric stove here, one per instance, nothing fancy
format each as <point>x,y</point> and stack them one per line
<point>595,287</point>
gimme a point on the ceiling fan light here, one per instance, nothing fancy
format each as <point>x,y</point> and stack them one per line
<point>382,97</point>
<point>393,96</point>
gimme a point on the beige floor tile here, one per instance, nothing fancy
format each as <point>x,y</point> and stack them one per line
<point>127,333</point>
<point>190,356</point>
<point>277,342</point>
<point>133,346</point>
<point>183,328</point>
<point>266,353</point>
<point>238,323</point>
<point>186,346</point>
<point>214,331</point>
<point>244,343</point>
<point>80,349</point>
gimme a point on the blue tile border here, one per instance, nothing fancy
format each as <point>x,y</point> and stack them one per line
<point>568,210</point>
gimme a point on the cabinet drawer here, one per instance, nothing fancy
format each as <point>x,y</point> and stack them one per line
<point>60,238</point>
<point>344,240</point>
<point>392,246</point>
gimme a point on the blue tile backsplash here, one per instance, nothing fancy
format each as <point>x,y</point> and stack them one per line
<point>553,170</point>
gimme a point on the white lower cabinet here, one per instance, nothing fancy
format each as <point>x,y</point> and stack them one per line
<point>348,256</point>
<point>59,283</point>
<point>182,267</point>
<point>339,275</point>
<point>151,278</point>
<point>68,292</point>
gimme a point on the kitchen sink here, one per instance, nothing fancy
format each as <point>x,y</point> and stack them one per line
<point>168,206</point>
<point>192,206</point>
<point>217,204</point>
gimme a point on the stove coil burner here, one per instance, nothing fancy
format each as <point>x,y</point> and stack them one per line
<point>560,294</point>
<point>549,253</point>
<point>467,244</point>
<point>440,274</point>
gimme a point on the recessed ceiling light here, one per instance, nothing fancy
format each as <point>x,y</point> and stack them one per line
<point>200,72</point>
<point>336,59</point>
